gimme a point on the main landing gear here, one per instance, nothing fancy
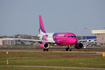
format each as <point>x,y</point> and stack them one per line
<point>69,48</point>
<point>45,49</point>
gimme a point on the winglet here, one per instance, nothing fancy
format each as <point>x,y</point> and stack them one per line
<point>42,30</point>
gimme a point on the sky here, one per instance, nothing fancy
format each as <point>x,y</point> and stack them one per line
<point>22,16</point>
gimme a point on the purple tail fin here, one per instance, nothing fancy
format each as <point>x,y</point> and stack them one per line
<point>42,30</point>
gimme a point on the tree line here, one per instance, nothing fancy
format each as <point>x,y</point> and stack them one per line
<point>21,36</point>
<point>27,36</point>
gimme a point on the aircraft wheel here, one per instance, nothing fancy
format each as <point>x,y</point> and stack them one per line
<point>70,50</point>
<point>45,49</point>
<point>67,49</point>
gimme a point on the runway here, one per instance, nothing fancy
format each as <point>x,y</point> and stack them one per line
<point>53,67</point>
<point>76,52</point>
<point>29,47</point>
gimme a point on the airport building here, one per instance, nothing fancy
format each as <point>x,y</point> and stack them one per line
<point>13,42</point>
<point>100,34</point>
<point>88,37</point>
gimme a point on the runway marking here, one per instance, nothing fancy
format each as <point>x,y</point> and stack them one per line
<point>52,67</point>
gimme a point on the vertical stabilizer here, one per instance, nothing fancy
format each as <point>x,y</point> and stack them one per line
<point>42,30</point>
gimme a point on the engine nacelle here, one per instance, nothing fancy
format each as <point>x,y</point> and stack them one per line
<point>44,45</point>
<point>78,46</point>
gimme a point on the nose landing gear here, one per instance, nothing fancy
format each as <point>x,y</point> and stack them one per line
<point>69,48</point>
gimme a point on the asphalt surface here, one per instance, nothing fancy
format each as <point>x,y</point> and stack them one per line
<point>41,48</point>
<point>76,52</point>
<point>53,67</point>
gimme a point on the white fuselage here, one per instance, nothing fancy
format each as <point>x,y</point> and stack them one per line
<point>48,37</point>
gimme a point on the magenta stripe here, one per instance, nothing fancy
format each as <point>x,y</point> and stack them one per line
<point>41,24</point>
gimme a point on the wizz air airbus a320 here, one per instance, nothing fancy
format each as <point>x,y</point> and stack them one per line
<point>49,39</point>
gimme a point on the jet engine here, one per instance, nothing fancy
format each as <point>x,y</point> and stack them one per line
<point>78,45</point>
<point>44,45</point>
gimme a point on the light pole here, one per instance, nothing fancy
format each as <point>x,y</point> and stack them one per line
<point>54,30</point>
<point>64,30</point>
<point>85,32</point>
<point>76,31</point>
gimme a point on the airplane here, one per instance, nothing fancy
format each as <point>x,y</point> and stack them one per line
<point>49,39</point>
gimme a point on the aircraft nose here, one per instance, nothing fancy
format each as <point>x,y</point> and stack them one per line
<point>74,41</point>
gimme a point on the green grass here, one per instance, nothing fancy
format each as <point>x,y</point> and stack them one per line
<point>53,59</point>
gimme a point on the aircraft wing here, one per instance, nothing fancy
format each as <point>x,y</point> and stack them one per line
<point>49,41</point>
<point>32,40</point>
<point>89,40</point>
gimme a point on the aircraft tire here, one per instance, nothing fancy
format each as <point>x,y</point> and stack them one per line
<point>45,49</point>
<point>67,49</point>
<point>70,50</point>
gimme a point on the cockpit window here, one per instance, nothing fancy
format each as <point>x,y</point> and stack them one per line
<point>71,36</point>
